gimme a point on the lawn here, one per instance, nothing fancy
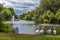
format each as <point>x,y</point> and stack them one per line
<point>6,36</point>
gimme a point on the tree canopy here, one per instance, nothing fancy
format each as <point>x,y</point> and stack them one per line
<point>6,12</point>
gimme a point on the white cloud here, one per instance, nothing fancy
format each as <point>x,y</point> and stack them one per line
<point>19,9</point>
<point>21,4</point>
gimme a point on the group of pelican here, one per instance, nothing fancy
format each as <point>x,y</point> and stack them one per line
<point>49,31</point>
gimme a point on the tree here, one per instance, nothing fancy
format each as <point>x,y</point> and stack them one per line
<point>57,15</point>
<point>7,14</point>
<point>16,17</point>
<point>12,11</point>
<point>46,17</point>
<point>52,5</point>
<point>1,22</point>
<point>1,7</point>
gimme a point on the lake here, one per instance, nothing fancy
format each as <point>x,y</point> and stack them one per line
<point>29,27</point>
<point>25,27</point>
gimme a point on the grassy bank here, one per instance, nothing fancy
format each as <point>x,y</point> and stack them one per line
<point>6,36</point>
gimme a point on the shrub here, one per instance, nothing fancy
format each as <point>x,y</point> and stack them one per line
<point>7,28</point>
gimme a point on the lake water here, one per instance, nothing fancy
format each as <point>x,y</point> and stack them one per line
<point>28,27</point>
<point>24,27</point>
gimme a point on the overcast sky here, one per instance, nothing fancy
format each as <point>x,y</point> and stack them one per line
<point>21,6</point>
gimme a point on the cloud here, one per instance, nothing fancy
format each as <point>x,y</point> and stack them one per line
<point>21,6</point>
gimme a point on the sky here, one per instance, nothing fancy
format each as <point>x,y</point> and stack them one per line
<point>21,6</point>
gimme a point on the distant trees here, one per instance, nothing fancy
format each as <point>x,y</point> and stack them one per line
<point>27,16</point>
<point>16,16</point>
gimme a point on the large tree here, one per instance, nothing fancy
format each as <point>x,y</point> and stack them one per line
<point>5,14</point>
<point>57,16</point>
<point>52,5</point>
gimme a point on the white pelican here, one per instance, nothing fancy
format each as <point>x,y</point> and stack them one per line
<point>37,31</point>
<point>49,31</point>
<point>42,30</point>
<point>54,31</point>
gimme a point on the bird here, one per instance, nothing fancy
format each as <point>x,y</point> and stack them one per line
<point>41,31</point>
<point>54,31</point>
<point>37,31</point>
<point>49,31</point>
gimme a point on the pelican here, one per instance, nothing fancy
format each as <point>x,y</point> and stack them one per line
<point>37,31</point>
<point>49,31</point>
<point>42,30</point>
<point>54,31</point>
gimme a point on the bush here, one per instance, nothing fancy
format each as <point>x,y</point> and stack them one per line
<point>7,28</point>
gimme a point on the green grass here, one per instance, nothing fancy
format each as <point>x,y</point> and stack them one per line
<point>6,36</point>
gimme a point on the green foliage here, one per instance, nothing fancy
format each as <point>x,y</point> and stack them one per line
<point>1,18</point>
<point>12,11</point>
<point>7,28</point>
<point>46,17</point>
<point>57,16</point>
<point>27,16</point>
<point>52,5</point>
<point>1,7</point>
<point>16,17</point>
<point>5,14</point>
